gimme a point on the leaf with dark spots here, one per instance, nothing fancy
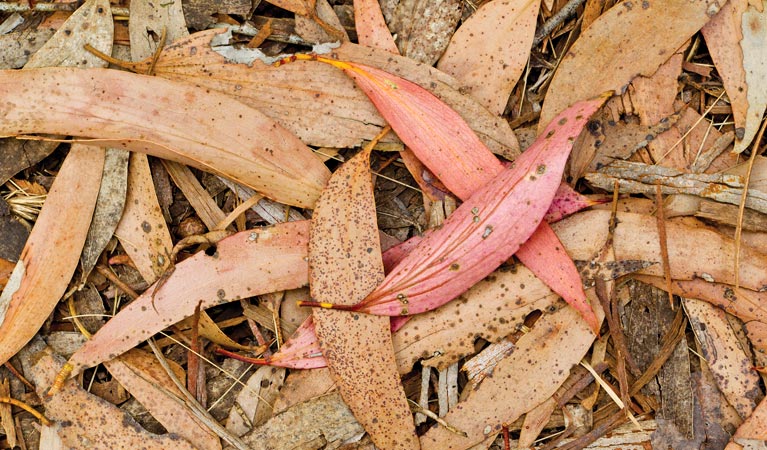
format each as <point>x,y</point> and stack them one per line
<point>243,268</point>
<point>357,347</point>
<point>485,231</point>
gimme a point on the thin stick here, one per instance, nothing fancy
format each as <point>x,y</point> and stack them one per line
<point>662,237</point>
<point>741,211</point>
<point>27,408</point>
<point>563,14</point>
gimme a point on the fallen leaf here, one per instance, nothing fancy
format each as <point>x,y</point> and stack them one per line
<point>254,403</point>
<point>142,230</point>
<point>143,376</point>
<point>490,50</point>
<point>44,270</point>
<point>731,367</point>
<point>170,120</point>
<point>543,367</point>
<point>723,34</point>
<point>371,27</point>
<point>76,411</point>
<point>424,27</point>
<point>108,210</point>
<point>480,234</point>
<point>248,263</point>
<point>344,266</point>
<point>641,37</point>
<point>754,28</point>
<point>318,103</point>
<point>755,426</point>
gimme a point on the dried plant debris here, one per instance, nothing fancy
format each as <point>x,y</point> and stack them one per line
<point>466,291</point>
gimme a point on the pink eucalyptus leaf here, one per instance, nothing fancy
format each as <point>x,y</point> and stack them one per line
<point>555,269</point>
<point>248,263</point>
<point>301,351</point>
<point>436,134</point>
<point>487,229</point>
<point>567,201</point>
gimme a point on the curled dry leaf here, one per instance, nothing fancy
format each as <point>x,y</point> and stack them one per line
<point>490,50</point>
<point>344,266</point>
<point>640,36</point>
<point>44,270</point>
<point>174,121</point>
<point>245,264</point>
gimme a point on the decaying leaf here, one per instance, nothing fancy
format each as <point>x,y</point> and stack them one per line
<point>171,120</point>
<point>76,411</point>
<point>143,376</point>
<point>490,50</point>
<point>754,28</point>
<point>249,263</point>
<point>640,36</point>
<point>344,266</point>
<point>44,270</point>
<point>567,339</point>
<point>731,367</point>
<point>142,230</point>
<point>723,35</point>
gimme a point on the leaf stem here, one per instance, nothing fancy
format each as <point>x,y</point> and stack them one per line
<point>324,305</point>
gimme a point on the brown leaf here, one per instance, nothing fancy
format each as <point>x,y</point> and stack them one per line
<point>371,28</point>
<point>77,412</point>
<point>171,120</point>
<point>50,256</point>
<point>142,230</point>
<point>424,27</point>
<point>731,367</point>
<point>344,266</point>
<point>142,375</point>
<point>723,35</point>
<point>632,39</point>
<point>754,27</point>
<point>490,50</point>
<point>540,362</point>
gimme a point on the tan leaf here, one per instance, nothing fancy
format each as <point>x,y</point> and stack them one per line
<point>723,35</point>
<point>371,27</point>
<point>754,27</point>
<point>171,120</point>
<point>142,375</point>
<point>540,362</point>
<point>142,230</point>
<point>626,41</point>
<point>50,256</point>
<point>731,367</point>
<point>77,411</point>
<point>344,266</point>
<point>318,103</point>
<point>490,50</point>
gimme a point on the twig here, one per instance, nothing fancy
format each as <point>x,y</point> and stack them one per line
<point>744,196</point>
<point>661,222</point>
<point>555,20</point>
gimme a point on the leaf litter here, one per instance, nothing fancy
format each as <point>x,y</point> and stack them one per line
<point>531,338</point>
